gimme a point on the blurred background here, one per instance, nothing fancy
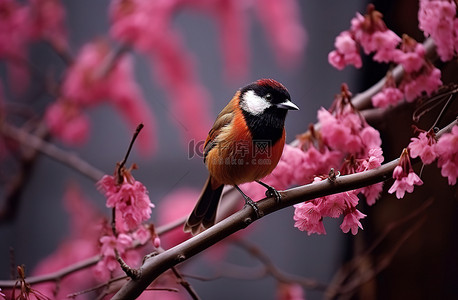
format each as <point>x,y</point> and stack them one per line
<point>41,223</point>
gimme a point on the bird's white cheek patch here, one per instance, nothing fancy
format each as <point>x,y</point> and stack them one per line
<point>254,104</point>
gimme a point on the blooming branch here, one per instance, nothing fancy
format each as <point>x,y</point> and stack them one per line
<point>155,266</point>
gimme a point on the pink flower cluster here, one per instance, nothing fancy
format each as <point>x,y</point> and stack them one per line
<point>84,86</point>
<point>130,200</point>
<point>308,216</point>
<point>437,18</point>
<point>445,150</point>
<point>405,177</point>
<point>132,206</point>
<point>370,34</point>
<point>23,23</point>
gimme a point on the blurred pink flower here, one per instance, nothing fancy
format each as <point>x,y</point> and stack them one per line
<point>148,27</point>
<point>427,80</point>
<point>67,122</point>
<point>438,20</point>
<point>387,96</point>
<point>177,204</point>
<point>282,24</point>
<point>412,55</point>
<point>48,22</point>
<point>447,149</point>
<point>289,291</point>
<point>84,86</point>
<point>14,38</point>
<point>80,244</point>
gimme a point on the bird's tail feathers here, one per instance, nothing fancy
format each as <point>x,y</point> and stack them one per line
<point>204,214</point>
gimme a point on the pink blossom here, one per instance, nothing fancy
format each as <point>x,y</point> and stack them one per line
<point>370,137</point>
<point>335,135</point>
<point>372,192</point>
<point>404,176</point>
<point>405,181</point>
<point>346,52</point>
<point>387,96</point>
<point>347,132</point>
<point>437,19</point>
<point>336,60</point>
<point>411,59</point>
<point>447,149</point>
<point>108,263</point>
<point>372,34</point>
<point>2,295</point>
<point>424,147</point>
<point>351,221</point>
<point>429,80</point>
<point>383,43</point>
<point>67,122</point>
<point>130,198</point>
<point>308,218</point>
<point>315,162</point>
<point>142,235</point>
<point>290,291</point>
<point>332,206</point>
<point>374,160</point>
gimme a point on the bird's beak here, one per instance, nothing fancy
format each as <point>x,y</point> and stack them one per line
<point>288,105</point>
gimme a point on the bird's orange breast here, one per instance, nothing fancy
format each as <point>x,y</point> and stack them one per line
<point>237,159</point>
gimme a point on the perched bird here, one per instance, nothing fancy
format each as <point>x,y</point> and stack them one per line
<point>244,145</point>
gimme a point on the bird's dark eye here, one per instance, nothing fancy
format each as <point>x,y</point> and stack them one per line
<point>268,97</point>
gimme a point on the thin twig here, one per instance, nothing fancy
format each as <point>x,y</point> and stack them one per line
<point>120,166</point>
<point>272,270</point>
<point>184,283</point>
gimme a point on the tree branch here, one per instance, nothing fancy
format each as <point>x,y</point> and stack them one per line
<point>155,266</point>
<point>52,151</point>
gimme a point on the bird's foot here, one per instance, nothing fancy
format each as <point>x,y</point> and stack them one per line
<point>253,205</point>
<point>271,191</point>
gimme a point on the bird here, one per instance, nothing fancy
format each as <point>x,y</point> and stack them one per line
<point>244,144</point>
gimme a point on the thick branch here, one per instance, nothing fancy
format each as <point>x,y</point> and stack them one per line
<point>155,266</point>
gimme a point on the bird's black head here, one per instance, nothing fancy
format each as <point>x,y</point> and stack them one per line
<point>264,104</point>
<point>265,94</point>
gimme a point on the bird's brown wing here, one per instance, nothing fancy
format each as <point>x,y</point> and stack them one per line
<point>224,118</point>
